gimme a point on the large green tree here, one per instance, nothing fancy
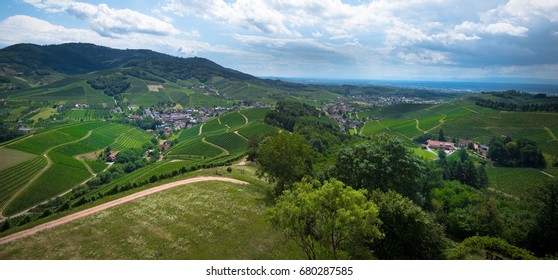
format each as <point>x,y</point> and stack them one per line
<point>328,221</point>
<point>410,232</point>
<point>383,163</point>
<point>284,159</point>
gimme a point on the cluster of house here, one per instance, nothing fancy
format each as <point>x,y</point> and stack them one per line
<point>343,113</point>
<point>390,100</point>
<point>481,150</point>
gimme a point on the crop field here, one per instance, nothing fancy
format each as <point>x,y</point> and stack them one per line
<point>213,126</point>
<point>96,165</point>
<point>424,154</point>
<point>519,182</point>
<point>15,157</point>
<point>255,113</point>
<point>113,130</point>
<point>195,147</point>
<point>133,138</point>
<point>44,113</point>
<point>12,178</point>
<point>233,120</point>
<point>257,129</point>
<point>81,130</point>
<point>97,140</point>
<point>58,178</point>
<point>229,141</point>
<point>38,144</point>
<point>189,133</point>
<point>237,229</point>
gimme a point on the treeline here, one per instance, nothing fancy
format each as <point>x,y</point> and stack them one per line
<point>463,169</point>
<point>517,101</point>
<point>142,75</point>
<point>520,153</point>
<point>112,85</point>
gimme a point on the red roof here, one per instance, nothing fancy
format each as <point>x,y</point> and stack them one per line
<point>440,144</point>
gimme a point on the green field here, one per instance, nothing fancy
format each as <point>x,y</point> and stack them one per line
<point>209,220</point>
<point>15,177</point>
<point>519,182</point>
<point>11,157</point>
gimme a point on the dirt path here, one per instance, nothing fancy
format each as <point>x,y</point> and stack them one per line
<point>469,109</point>
<point>549,175</point>
<point>240,135</point>
<point>226,153</point>
<point>550,133</point>
<point>245,118</point>
<point>201,129</point>
<point>110,204</point>
<point>417,126</point>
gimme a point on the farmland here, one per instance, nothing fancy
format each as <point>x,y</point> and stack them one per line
<point>59,147</point>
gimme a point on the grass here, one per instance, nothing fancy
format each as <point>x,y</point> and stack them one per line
<point>233,120</point>
<point>424,154</point>
<point>209,220</point>
<point>38,144</point>
<point>44,113</point>
<point>518,182</point>
<point>12,157</point>
<point>257,129</point>
<point>96,165</point>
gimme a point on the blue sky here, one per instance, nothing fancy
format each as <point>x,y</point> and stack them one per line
<point>380,39</point>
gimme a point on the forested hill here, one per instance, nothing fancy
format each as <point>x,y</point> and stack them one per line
<point>34,62</point>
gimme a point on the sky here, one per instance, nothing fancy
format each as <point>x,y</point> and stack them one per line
<point>490,40</point>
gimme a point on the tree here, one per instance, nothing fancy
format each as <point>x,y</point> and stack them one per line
<point>382,163</point>
<point>328,220</point>
<point>441,135</point>
<point>410,232</point>
<point>544,235</point>
<point>498,152</point>
<point>284,159</point>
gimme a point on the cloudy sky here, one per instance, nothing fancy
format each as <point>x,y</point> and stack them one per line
<point>360,39</point>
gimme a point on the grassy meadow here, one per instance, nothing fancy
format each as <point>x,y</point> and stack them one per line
<point>208,220</point>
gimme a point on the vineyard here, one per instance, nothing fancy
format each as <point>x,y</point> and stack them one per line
<point>13,179</point>
<point>61,146</point>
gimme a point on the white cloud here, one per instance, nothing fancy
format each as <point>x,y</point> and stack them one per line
<point>108,21</point>
<point>492,28</point>
<point>26,29</point>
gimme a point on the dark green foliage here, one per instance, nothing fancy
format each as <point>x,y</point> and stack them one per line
<point>6,225</point>
<point>441,135</point>
<point>8,133</point>
<point>409,232</point>
<point>328,221</point>
<point>513,100</point>
<point>143,75</point>
<point>111,85</point>
<point>522,153</point>
<point>544,235</point>
<point>463,170</point>
<point>288,112</point>
<point>284,159</point>
<point>476,248</point>
<point>383,163</point>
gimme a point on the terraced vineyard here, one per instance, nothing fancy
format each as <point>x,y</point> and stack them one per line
<point>230,142</point>
<point>15,177</point>
<point>131,138</point>
<point>41,181</point>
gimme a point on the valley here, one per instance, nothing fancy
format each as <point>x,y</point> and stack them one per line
<point>76,136</point>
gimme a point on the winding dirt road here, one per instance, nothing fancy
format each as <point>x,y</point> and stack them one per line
<point>110,204</point>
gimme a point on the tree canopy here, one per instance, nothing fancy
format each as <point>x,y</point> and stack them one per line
<point>328,221</point>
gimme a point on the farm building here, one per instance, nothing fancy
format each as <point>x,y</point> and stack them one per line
<point>464,143</point>
<point>112,156</point>
<point>433,144</point>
